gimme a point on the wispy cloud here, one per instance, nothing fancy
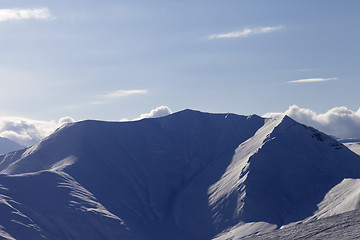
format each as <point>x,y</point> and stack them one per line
<point>106,98</point>
<point>248,31</point>
<point>124,93</point>
<point>23,14</point>
<point>310,80</point>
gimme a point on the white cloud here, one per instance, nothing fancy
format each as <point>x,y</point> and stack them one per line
<point>248,31</point>
<point>24,14</point>
<point>339,121</point>
<point>124,93</point>
<point>27,131</point>
<point>308,80</point>
<point>65,120</point>
<point>161,111</point>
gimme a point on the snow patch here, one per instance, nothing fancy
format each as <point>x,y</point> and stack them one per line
<point>62,164</point>
<point>245,229</point>
<point>5,235</point>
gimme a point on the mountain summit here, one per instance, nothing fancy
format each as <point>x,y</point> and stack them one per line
<point>189,175</point>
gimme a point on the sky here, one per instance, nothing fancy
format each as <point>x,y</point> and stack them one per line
<point>116,60</point>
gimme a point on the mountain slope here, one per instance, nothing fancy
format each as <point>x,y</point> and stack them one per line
<point>189,175</point>
<point>342,226</point>
<point>6,146</point>
<point>298,174</point>
<point>51,205</point>
<point>352,143</point>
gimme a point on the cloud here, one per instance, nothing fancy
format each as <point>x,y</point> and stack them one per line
<point>308,80</point>
<point>339,121</point>
<point>161,111</point>
<point>248,31</point>
<point>27,131</point>
<point>24,14</point>
<point>124,93</point>
<point>105,98</point>
<point>65,120</point>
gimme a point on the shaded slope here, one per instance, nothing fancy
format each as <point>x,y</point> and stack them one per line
<point>51,205</point>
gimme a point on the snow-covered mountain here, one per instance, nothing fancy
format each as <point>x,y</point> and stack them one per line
<point>189,175</point>
<point>6,146</point>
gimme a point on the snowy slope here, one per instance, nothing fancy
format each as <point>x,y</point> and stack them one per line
<point>189,175</point>
<point>355,147</point>
<point>51,205</point>
<point>6,146</point>
<point>352,143</point>
<point>328,222</point>
<point>342,226</point>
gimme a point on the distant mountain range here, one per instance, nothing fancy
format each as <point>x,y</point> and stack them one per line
<point>189,175</point>
<point>6,146</point>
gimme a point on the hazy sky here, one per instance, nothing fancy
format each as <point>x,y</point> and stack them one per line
<point>117,59</point>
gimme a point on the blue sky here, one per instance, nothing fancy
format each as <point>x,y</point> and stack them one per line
<point>118,59</point>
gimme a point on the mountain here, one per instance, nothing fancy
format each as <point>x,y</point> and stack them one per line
<point>6,146</point>
<point>189,175</point>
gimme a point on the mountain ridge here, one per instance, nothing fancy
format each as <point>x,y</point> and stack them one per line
<point>190,175</point>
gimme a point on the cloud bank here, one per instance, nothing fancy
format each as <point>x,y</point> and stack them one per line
<point>27,131</point>
<point>309,80</point>
<point>339,121</point>
<point>24,14</point>
<point>246,32</point>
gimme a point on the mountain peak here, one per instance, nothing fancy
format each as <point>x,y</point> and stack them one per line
<point>280,174</point>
